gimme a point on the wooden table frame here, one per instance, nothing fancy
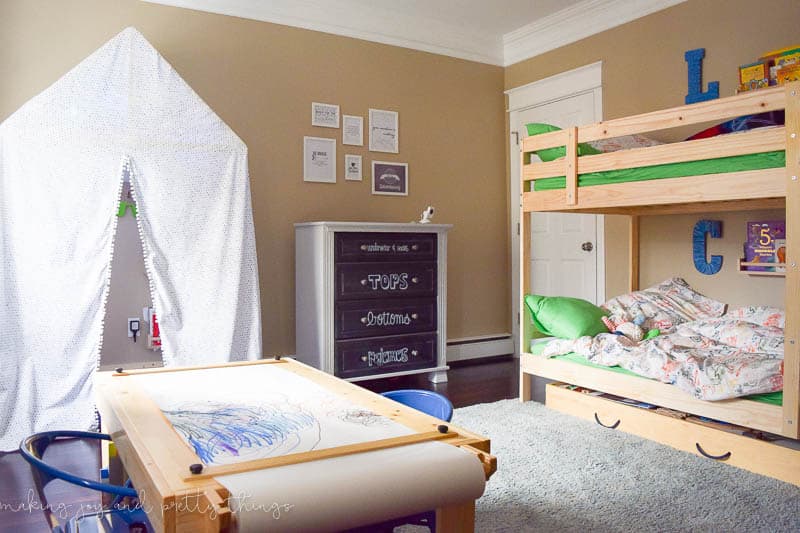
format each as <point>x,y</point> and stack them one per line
<point>157,459</point>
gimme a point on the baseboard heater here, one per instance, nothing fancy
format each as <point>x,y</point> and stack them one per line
<point>479,347</point>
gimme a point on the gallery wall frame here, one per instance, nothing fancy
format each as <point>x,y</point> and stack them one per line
<point>390,178</point>
<point>319,159</point>
<point>352,168</point>
<point>353,130</point>
<point>324,115</point>
<point>384,131</point>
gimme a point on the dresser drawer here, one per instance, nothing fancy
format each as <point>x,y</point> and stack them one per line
<point>379,280</point>
<point>688,434</point>
<point>371,318</point>
<point>359,247</point>
<point>382,355</point>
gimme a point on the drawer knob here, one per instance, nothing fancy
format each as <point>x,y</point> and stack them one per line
<point>363,247</point>
<point>415,279</point>
<point>612,426</point>
<point>414,316</point>
<point>364,282</point>
<point>414,353</point>
<point>364,358</point>
<point>723,457</point>
<point>363,320</point>
<point>415,247</point>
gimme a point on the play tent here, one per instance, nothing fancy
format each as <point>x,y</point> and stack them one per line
<point>122,111</point>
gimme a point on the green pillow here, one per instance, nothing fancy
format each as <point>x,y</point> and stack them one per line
<point>566,318</point>
<point>550,154</point>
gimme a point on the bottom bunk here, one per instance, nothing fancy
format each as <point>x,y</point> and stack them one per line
<point>762,416</point>
<point>772,398</point>
<point>666,345</point>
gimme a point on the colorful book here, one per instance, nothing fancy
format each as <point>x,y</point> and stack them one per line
<point>766,243</point>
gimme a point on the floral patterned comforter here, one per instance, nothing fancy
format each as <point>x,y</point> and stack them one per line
<point>709,354</point>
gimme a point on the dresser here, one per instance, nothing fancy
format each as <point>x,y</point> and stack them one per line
<point>371,298</point>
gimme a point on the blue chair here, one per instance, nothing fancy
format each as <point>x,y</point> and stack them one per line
<point>431,403</point>
<point>428,402</point>
<point>123,515</point>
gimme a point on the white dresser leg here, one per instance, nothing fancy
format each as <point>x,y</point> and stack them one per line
<point>439,376</point>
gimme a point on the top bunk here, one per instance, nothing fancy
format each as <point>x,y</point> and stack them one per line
<point>734,172</point>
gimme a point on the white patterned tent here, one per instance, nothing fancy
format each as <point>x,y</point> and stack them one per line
<point>62,158</point>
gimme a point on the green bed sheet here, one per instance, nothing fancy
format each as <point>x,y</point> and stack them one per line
<point>671,170</point>
<point>774,398</point>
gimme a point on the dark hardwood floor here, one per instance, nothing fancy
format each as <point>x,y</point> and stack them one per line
<point>470,382</point>
<point>477,381</point>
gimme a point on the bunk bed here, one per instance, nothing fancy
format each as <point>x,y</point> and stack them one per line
<point>576,184</point>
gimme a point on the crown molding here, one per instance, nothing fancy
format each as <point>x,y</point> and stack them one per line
<point>353,19</point>
<point>574,23</point>
<point>373,22</point>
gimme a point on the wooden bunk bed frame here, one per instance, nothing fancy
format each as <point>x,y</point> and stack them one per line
<point>734,191</point>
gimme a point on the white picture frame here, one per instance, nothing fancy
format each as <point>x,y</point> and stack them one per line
<point>324,115</point>
<point>353,130</point>
<point>390,178</point>
<point>384,134</point>
<point>352,168</point>
<point>319,159</point>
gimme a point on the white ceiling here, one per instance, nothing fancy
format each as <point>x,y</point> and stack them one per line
<point>499,32</point>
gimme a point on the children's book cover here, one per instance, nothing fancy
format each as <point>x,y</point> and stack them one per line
<point>766,243</point>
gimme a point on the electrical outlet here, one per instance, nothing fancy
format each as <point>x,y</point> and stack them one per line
<point>137,325</point>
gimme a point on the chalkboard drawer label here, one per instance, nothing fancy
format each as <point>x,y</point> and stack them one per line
<point>382,355</point>
<point>389,317</point>
<point>378,280</point>
<point>356,247</point>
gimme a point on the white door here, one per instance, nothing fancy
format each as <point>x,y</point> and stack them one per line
<point>563,245</point>
<point>567,250</point>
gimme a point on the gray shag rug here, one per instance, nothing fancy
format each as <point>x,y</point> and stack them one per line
<point>561,473</point>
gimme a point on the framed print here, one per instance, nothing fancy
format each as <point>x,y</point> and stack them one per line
<point>390,178</point>
<point>352,167</point>
<point>353,130</point>
<point>383,132</point>
<point>319,159</point>
<point>325,115</point>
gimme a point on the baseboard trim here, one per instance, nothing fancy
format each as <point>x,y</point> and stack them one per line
<point>479,347</point>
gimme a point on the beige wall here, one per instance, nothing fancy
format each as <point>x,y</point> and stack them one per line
<point>644,70</point>
<point>261,78</point>
<point>666,251</point>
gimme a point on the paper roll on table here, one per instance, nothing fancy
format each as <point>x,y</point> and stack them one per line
<point>344,492</point>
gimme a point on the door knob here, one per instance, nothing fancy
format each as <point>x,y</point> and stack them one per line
<point>587,246</point>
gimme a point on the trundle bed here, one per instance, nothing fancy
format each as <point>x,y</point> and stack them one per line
<point>699,178</point>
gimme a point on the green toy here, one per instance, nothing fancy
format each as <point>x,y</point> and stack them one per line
<point>652,334</point>
<point>123,207</point>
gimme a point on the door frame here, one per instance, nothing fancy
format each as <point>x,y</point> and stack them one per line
<point>586,79</point>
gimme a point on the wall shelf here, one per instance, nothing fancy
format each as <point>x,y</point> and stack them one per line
<point>744,264</point>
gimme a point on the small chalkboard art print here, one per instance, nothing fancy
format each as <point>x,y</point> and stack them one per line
<point>390,178</point>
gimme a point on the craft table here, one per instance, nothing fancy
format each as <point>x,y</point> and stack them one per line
<point>309,451</point>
